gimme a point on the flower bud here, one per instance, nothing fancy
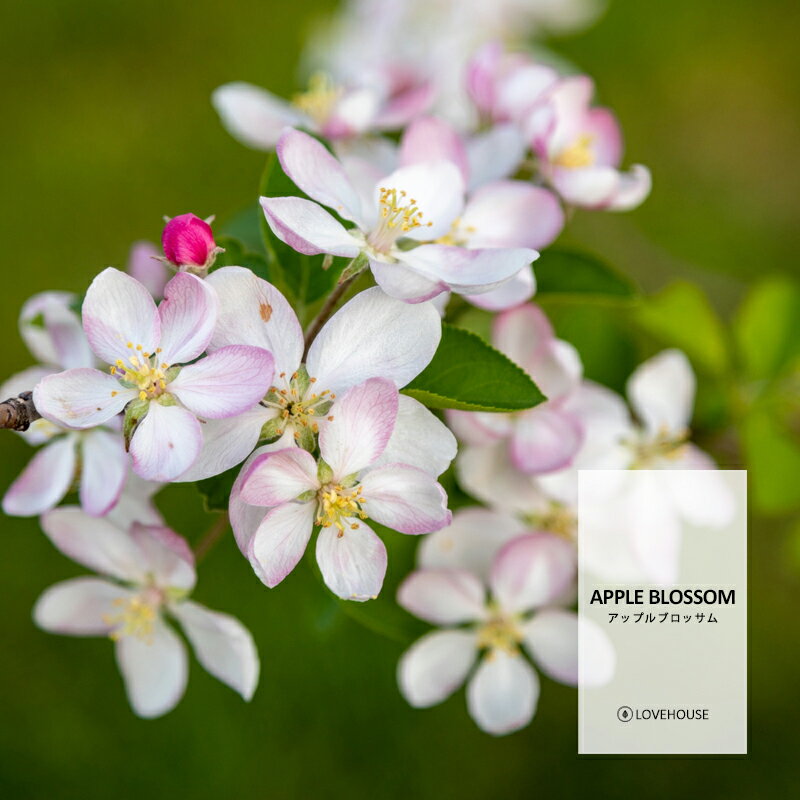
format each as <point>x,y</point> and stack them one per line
<point>188,242</point>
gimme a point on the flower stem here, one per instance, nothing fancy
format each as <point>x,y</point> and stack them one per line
<point>211,537</point>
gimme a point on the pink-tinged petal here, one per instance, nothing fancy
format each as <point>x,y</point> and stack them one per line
<point>544,440</point>
<point>558,371</point>
<point>633,189</point>
<point>81,398</point>
<point>478,427</point>
<point>524,334</point>
<point>532,570</point>
<point>406,499</point>
<point>318,173</point>
<point>104,468</point>
<point>468,271</point>
<point>280,541</point>
<point>252,115</point>
<point>188,241</point>
<point>37,337</point>
<point>188,314</point>
<point>437,188</point>
<point>435,666</point>
<point>78,607</point>
<point>419,439</point>
<point>403,283</point>
<point>494,154</point>
<point>119,310</point>
<point>155,670</point>
<point>165,443</point>
<point>254,312</point>
<point>589,187</point>
<point>352,114</point>
<point>409,97</point>
<point>228,382</point>
<point>308,228</point>
<point>443,596</point>
<point>228,442</point>
<point>44,481</point>
<point>470,542</point>
<point>483,70</point>
<point>245,518</point>
<point>278,477</point>
<point>432,139</point>
<point>570,98</point>
<point>222,645</point>
<point>503,693</point>
<point>512,214</point>
<point>606,137</point>
<point>66,333</point>
<point>661,392</point>
<point>359,426</point>
<point>514,292</point>
<point>352,562</point>
<point>95,543</point>
<point>551,637</point>
<point>144,265</point>
<point>135,504</point>
<point>521,88</point>
<point>168,556</point>
<point>374,336</point>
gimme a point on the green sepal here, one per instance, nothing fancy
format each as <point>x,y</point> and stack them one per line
<point>301,381</point>
<point>304,437</point>
<point>324,472</point>
<point>135,412</point>
<point>355,267</point>
<point>272,429</point>
<point>166,400</point>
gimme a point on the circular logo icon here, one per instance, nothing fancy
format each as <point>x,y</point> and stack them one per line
<point>624,713</point>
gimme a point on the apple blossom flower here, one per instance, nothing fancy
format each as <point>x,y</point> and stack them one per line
<point>146,348</point>
<point>527,575</point>
<point>414,204</point>
<point>52,330</point>
<point>382,99</point>
<point>580,148</point>
<point>148,573</point>
<point>147,266</point>
<point>547,437</point>
<point>371,336</point>
<point>188,243</point>
<point>349,484</point>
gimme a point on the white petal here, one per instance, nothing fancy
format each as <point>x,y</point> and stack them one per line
<point>222,645</point>
<point>165,443</point>
<point>95,543</point>
<point>374,335</point>
<point>352,562</point>
<point>45,480</point>
<point>188,314</point>
<point>254,312</point>
<point>280,540</point>
<point>118,310</point>
<point>503,693</point>
<point>155,671</point>
<point>38,338</point>
<point>168,556</point>
<point>135,504</point>
<point>77,607</point>
<point>532,570</point>
<point>470,542</point>
<point>404,283</point>
<point>524,334</point>
<point>279,477</point>
<point>515,291</point>
<point>551,636</point>
<point>252,115</point>
<point>702,497</point>
<point>633,189</point>
<point>104,468</point>
<point>661,392</point>
<point>359,426</point>
<point>81,398</point>
<point>435,666</point>
<point>443,596</point>
<point>495,154</point>
<point>545,439</point>
<point>419,439</point>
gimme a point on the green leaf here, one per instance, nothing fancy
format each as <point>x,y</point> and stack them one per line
<point>246,227</point>
<point>216,491</point>
<point>238,255</point>
<point>767,328</point>
<point>567,272</point>
<point>681,316</point>
<point>468,374</point>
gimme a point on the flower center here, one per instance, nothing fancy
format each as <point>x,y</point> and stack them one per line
<point>136,616</point>
<point>336,504</point>
<point>399,214</point>
<point>458,235</point>
<point>296,403</point>
<point>665,445</point>
<point>557,518</point>
<point>500,632</point>
<point>320,98</point>
<point>577,154</point>
<point>142,372</point>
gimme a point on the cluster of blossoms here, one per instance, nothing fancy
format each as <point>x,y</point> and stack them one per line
<point>179,370</point>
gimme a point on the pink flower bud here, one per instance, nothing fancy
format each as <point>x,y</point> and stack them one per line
<point>188,242</point>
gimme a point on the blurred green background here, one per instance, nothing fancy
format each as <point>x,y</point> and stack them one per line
<point>107,126</point>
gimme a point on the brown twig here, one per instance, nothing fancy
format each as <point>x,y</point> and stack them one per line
<point>17,413</point>
<point>211,537</point>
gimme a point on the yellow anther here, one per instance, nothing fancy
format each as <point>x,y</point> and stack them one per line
<point>577,154</point>
<point>320,98</point>
<point>137,617</point>
<point>500,632</point>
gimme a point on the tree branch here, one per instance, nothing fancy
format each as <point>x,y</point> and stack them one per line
<point>17,413</point>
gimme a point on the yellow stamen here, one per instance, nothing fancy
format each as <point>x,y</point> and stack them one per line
<point>577,154</point>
